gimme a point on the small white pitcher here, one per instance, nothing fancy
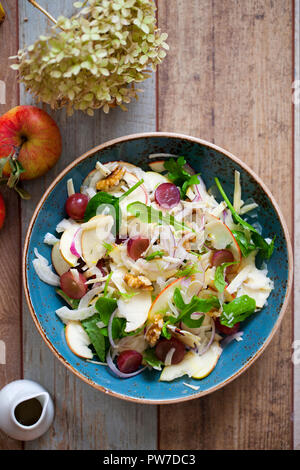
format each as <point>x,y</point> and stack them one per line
<point>16,393</point>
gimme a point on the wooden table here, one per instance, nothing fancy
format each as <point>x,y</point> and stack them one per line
<point>227,79</point>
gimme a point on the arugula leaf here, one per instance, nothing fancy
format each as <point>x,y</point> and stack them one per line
<point>237,310</point>
<point>98,340</point>
<point>178,299</point>
<point>165,332</point>
<point>105,306</point>
<point>188,271</point>
<point>150,358</point>
<point>110,203</point>
<point>73,303</point>
<point>155,254</point>
<point>245,246</point>
<point>260,242</point>
<point>195,305</point>
<point>266,249</point>
<point>149,215</point>
<point>179,176</point>
<point>220,283</point>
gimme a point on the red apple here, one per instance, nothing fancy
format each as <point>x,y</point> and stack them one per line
<point>35,137</point>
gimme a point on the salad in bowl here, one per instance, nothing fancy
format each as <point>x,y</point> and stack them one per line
<point>153,270</point>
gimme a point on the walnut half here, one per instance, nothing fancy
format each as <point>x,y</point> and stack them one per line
<point>153,331</point>
<point>111,180</point>
<point>138,282</point>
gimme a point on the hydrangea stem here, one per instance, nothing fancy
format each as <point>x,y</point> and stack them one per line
<point>36,5</point>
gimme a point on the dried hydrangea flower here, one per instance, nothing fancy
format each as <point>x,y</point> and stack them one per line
<point>94,59</point>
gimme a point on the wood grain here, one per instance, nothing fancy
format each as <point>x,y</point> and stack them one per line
<point>10,259</point>
<point>85,418</point>
<point>297,228</point>
<point>227,79</point>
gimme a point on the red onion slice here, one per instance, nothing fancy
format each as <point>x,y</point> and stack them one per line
<point>212,337</point>
<point>109,329</point>
<point>73,247</point>
<point>117,372</point>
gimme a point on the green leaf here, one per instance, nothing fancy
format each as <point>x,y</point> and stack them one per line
<point>150,215</point>
<point>178,299</point>
<point>179,176</point>
<point>103,201</point>
<point>155,254</point>
<point>98,340</point>
<point>150,358</point>
<point>245,245</point>
<point>106,306</point>
<point>237,310</point>
<point>128,296</point>
<point>265,248</point>
<point>165,332</point>
<point>107,283</point>
<point>195,305</point>
<point>220,283</point>
<point>73,303</point>
<point>108,247</point>
<point>188,271</point>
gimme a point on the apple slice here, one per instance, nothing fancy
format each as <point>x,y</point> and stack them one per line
<point>158,166</point>
<point>221,237</point>
<point>78,340</point>
<point>58,262</point>
<point>94,233</point>
<point>135,310</point>
<point>65,245</point>
<point>192,365</point>
<point>152,180</point>
<point>160,304</point>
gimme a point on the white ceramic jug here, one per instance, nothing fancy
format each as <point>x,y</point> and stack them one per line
<point>26,410</point>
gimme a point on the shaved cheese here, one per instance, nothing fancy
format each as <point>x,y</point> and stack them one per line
<point>237,201</point>
<point>50,239</point>
<point>64,225</point>
<point>239,279</point>
<point>44,271</point>
<point>103,169</point>
<point>70,187</point>
<point>118,279</point>
<point>193,387</point>
<point>248,208</point>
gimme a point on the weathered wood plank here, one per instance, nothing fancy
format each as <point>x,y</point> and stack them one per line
<point>297,228</point>
<point>85,418</point>
<point>227,79</point>
<point>10,318</point>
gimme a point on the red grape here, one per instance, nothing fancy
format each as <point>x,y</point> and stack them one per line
<point>167,195</point>
<point>129,361</point>
<point>73,285</point>
<point>164,346</point>
<point>222,256</point>
<point>136,246</point>
<point>225,329</point>
<point>76,205</point>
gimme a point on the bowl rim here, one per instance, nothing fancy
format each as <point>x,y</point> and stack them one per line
<point>205,143</point>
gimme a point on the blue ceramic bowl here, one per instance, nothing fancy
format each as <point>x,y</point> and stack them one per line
<point>211,161</point>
